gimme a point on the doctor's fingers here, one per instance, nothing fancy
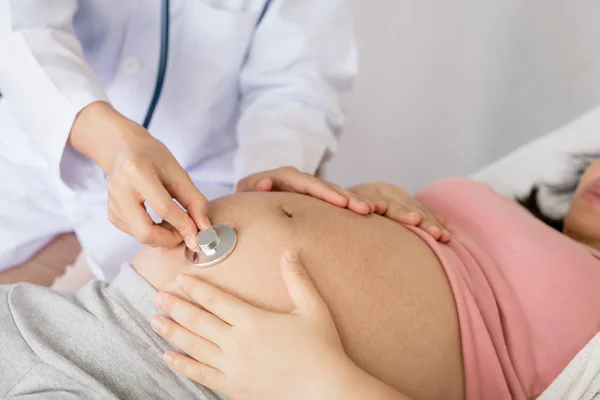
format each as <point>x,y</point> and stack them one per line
<point>356,202</point>
<point>291,180</point>
<point>180,186</point>
<point>139,223</point>
<point>114,215</point>
<point>152,190</point>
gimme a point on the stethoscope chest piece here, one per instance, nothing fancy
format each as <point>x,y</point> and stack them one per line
<point>215,244</point>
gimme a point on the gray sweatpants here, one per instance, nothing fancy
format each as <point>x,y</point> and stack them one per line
<point>94,345</point>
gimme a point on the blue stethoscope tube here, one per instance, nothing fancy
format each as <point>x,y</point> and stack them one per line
<point>162,62</point>
<point>164,55</point>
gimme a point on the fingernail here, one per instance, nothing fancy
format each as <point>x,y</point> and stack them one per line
<point>207,222</point>
<point>190,242</point>
<point>413,214</point>
<point>168,359</point>
<point>291,256</point>
<point>362,200</point>
<point>180,281</point>
<point>156,323</point>
<point>159,300</point>
<point>434,230</point>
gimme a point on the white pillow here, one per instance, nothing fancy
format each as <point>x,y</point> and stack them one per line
<point>550,159</point>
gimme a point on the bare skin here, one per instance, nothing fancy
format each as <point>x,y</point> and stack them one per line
<point>386,290</point>
<point>47,265</point>
<point>143,171</point>
<point>582,222</point>
<point>270,340</point>
<point>44,267</point>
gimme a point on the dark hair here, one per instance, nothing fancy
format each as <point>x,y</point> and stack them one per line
<point>567,187</point>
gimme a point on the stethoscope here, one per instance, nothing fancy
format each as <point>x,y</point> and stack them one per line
<point>164,54</point>
<point>218,242</point>
<point>162,61</point>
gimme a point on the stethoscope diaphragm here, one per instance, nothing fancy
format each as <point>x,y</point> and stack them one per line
<point>215,244</point>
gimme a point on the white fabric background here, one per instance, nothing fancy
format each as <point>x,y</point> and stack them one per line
<point>447,87</point>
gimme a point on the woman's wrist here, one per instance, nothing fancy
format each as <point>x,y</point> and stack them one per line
<point>336,380</point>
<point>99,131</point>
<point>349,382</point>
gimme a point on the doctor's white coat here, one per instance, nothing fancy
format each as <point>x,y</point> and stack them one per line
<point>239,97</point>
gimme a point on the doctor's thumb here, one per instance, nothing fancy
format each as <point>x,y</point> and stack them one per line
<point>302,292</point>
<point>192,200</point>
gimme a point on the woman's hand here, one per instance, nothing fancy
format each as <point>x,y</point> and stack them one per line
<point>289,179</point>
<point>141,170</point>
<point>394,203</point>
<point>245,352</point>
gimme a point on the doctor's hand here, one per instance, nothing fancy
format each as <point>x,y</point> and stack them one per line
<point>245,352</point>
<point>289,179</point>
<point>141,170</point>
<point>394,203</point>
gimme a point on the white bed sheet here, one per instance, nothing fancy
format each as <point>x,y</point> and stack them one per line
<point>548,159</point>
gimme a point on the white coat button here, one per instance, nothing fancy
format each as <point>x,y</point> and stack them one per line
<point>131,65</point>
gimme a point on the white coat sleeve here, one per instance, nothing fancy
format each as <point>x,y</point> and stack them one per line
<point>302,58</point>
<point>43,76</point>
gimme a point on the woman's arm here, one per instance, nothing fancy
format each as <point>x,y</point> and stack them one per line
<point>243,351</point>
<point>360,386</point>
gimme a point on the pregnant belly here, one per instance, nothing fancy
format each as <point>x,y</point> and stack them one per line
<point>386,289</point>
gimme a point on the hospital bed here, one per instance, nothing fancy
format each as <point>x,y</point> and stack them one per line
<point>548,160</point>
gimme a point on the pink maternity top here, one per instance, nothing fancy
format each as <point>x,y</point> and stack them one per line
<point>528,297</point>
